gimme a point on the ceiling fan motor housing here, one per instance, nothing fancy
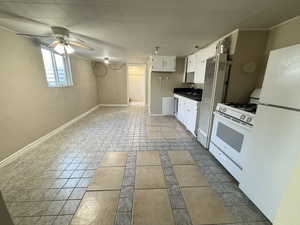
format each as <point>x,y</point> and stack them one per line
<point>60,31</point>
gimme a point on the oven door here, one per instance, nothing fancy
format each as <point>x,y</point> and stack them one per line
<point>229,135</point>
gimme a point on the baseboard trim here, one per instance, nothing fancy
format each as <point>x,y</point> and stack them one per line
<point>113,105</point>
<point>42,139</point>
<point>153,114</point>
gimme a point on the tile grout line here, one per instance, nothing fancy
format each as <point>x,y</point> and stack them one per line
<point>188,222</point>
<point>129,154</point>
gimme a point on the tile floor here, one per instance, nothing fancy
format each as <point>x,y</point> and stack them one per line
<point>118,166</point>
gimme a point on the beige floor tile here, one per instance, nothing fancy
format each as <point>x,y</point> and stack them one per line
<point>180,157</point>
<point>146,158</point>
<point>114,159</point>
<point>152,207</point>
<point>149,177</point>
<point>189,176</point>
<point>97,208</point>
<point>205,207</point>
<point>107,178</point>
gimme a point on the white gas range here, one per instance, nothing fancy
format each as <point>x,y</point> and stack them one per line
<point>231,126</point>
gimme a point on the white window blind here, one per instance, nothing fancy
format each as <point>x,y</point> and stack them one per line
<point>57,68</point>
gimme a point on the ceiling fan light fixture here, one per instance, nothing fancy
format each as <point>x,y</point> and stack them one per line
<point>60,48</point>
<point>69,49</point>
<point>106,60</point>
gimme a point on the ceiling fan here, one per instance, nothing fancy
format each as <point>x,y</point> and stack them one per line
<point>63,43</point>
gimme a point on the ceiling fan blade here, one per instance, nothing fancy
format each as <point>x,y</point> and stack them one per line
<point>98,42</point>
<point>74,39</point>
<point>53,44</point>
<point>33,35</point>
<point>80,45</point>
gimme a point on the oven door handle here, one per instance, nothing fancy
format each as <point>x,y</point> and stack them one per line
<point>235,121</point>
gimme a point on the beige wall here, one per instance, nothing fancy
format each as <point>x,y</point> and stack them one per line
<point>250,47</point>
<point>28,108</point>
<point>5,216</point>
<point>112,83</point>
<point>282,36</point>
<point>162,85</point>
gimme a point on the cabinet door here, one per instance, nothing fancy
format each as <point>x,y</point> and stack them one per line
<point>211,50</point>
<point>191,63</point>
<point>180,112</point>
<point>190,118</point>
<point>200,64</point>
<point>169,63</point>
<point>157,63</point>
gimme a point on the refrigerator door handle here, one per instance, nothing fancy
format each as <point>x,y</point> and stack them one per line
<point>279,106</point>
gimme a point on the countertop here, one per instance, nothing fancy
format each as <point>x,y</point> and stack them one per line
<point>197,98</point>
<point>194,94</point>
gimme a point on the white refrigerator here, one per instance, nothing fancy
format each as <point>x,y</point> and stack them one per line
<point>273,147</point>
<point>213,93</point>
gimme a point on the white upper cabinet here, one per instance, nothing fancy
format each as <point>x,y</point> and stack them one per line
<point>197,62</point>
<point>200,67</point>
<point>157,63</point>
<point>169,63</point>
<point>164,63</point>
<point>191,63</point>
<point>211,50</point>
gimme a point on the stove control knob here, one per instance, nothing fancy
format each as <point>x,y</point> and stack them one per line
<point>249,119</point>
<point>224,109</point>
<point>242,117</point>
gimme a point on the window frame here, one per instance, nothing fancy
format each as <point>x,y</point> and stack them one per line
<point>67,68</point>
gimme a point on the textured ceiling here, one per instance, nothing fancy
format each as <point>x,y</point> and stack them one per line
<point>130,29</point>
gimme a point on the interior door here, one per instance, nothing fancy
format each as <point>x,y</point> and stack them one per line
<point>282,79</point>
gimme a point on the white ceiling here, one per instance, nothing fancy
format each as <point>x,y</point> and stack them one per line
<point>130,29</point>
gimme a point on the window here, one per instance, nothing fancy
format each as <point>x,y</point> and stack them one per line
<point>57,68</point>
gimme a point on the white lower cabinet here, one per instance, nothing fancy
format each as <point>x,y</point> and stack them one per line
<point>187,113</point>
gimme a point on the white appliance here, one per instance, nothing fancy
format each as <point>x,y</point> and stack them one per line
<point>231,127</point>
<point>213,93</point>
<point>273,146</point>
<point>168,105</point>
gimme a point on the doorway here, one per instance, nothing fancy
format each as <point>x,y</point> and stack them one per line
<point>136,84</point>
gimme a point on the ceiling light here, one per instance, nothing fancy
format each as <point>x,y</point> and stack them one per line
<point>69,49</point>
<point>106,60</point>
<point>60,48</point>
<point>156,50</point>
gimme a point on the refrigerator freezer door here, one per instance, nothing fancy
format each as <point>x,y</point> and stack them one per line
<point>205,113</point>
<point>213,93</point>
<point>269,157</point>
<point>282,79</point>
